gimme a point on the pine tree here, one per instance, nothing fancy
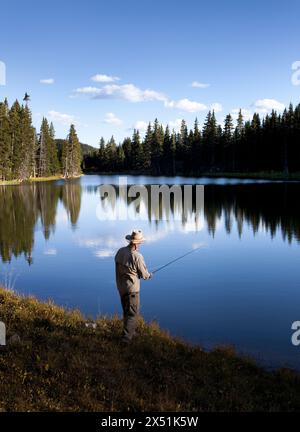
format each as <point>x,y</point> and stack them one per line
<point>126,145</point>
<point>210,134</point>
<point>15,137</point>
<point>101,155</point>
<point>254,147</point>
<point>136,151</point>
<point>238,142</point>
<point>120,159</point>
<point>71,155</point>
<point>26,145</point>
<point>111,154</point>
<point>5,144</point>
<point>147,148</point>
<point>167,152</point>
<point>43,167</point>
<point>288,131</point>
<point>227,156</point>
<point>47,155</point>
<point>182,145</point>
<point>52,152</point>
<point>173,152</point>
<point>156,147</point>
<point>239,130</point>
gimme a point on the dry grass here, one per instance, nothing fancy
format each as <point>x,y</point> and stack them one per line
<point>61,365</point>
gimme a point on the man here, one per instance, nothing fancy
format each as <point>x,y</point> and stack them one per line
<point>130,268</point>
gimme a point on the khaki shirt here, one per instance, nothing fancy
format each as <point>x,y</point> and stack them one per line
<point>130,268</point>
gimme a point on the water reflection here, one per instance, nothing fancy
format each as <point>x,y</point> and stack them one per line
<point>270,207</point>
<point>23,207</point>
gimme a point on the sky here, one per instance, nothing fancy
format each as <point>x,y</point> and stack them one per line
<point>109,67</point>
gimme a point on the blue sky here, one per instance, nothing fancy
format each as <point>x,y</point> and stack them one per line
<point>111,66</point>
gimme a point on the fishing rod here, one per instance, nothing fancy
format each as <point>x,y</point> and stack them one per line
<point>177,259</point>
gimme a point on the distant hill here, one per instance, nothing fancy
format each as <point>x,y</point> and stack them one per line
<point>85,148</point>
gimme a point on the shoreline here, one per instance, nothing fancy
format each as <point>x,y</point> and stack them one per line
<point>36,180</point>
<point>244,176</point>
<point>54,362</point>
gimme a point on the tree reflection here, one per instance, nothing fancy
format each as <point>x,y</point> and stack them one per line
<point>273,207</point>
<point>270,206</point>
<point>71,198</point>
<point>23,207</point>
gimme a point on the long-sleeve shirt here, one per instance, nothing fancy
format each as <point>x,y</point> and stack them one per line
<point>130,268</point>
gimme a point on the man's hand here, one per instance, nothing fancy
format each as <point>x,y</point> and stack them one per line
<point>151,275</point>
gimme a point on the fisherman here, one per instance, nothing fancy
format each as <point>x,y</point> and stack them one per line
<point>130,268</point>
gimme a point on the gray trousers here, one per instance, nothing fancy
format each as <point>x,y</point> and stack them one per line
<point>131,309</point>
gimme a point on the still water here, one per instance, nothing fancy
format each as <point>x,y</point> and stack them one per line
<point>242,287</point>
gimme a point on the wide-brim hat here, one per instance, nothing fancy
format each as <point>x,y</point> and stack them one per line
<point>135,237</point>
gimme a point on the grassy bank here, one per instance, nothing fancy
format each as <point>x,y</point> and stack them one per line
<point>56,363</point>
<point>34,180</point>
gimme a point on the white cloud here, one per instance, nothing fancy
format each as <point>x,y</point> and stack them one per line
<point>104,253</point>
<point>104,78</point>
<point>88,90</point>
<point>50,251</point>
<point>175,124</point>
<point>216,107</point>
<point>152,237</point>
<point>127,92</point>
<point>197,84</point>
<point>65,119</point>
<point>109,242</point>
<point>186,105</point>
<point>267,105</point>
<point>141,125</point>
<point>261,106</point>
<point>111,118</point>
<point>199,245</point>
<point>47,81</point>
<point>132,93</point>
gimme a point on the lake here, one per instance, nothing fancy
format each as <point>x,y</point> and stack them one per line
<point>242,287</point>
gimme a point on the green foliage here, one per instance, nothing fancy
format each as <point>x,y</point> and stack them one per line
<point>71,155</point>
<point>259,145</point>
<point>136,151</point>
<point>24,154</point>
<point>5,143</point>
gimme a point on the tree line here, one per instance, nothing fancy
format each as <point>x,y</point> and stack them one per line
<point>26,154</point>
<point>268,144</point>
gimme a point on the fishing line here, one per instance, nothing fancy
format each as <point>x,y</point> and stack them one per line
<point>176,259</point>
